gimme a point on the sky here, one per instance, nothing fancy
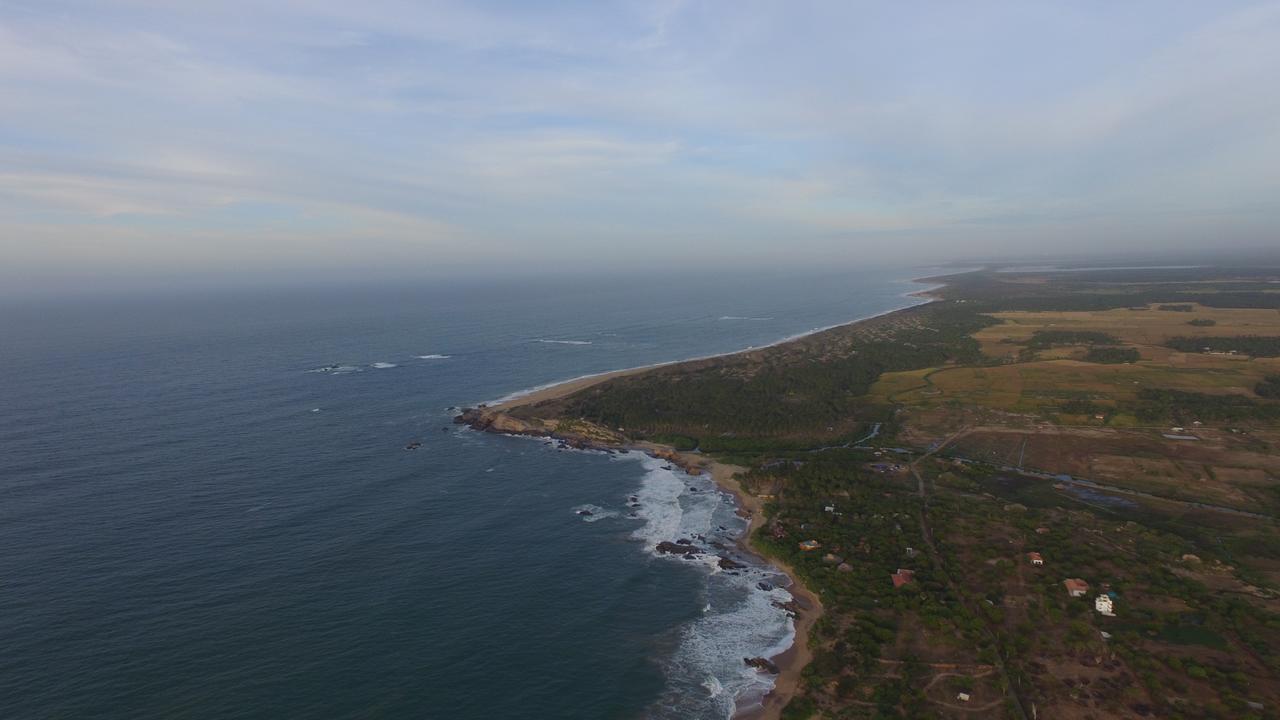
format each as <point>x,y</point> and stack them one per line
<point>151,139</point>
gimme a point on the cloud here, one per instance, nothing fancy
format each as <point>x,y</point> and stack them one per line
<point>466,133</point>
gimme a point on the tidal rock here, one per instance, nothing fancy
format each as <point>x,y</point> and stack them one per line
<point>727,564</point>
<point>790,606</point>
<point>763,664</point>
<point>676,549</point>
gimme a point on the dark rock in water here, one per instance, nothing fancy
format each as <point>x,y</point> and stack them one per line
<point>444,429</point>
<point>727,564</point>
<point>413,445</point>
<point>667,467</point>
<point>760,663</point>
<point>764,586</point>
<point>693,489</point>
<point>585,512</point>
<point>676,549</point>
<point>684,541</point>
<point>633,499</point>
<point>790,606</point>
<point>722,528</point>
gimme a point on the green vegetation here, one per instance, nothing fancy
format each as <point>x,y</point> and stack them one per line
<point>1252,345</point>
<point>1202,322</point>
<point>1158,405</point>
<point>1269,387</point>
<point>787,397</point>
<point>1111,355</point>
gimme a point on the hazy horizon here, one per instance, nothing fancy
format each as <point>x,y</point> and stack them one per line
<point>279,143</point>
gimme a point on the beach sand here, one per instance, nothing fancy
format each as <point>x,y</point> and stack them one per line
<point>793,660</point>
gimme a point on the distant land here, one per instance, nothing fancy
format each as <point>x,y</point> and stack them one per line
<point>1044,493</point>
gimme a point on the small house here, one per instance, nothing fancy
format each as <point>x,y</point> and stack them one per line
<point>809,545</point>
<point>903,577</point>
<point>1104,605</point>
<point>1035,558</point>
<point>962,697</point>
<point>1076,587</point>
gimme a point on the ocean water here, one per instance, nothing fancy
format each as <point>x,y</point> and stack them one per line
<point>207,507</point>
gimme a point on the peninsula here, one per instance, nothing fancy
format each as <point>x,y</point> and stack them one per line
<point>1038,494</point>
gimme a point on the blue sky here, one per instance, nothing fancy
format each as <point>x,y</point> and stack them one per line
<point>144,138</point>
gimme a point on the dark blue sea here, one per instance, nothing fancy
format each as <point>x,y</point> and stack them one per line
<point>207,507</point>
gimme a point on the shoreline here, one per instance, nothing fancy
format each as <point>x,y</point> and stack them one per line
<point>791,662</point>
<point>562,388</point>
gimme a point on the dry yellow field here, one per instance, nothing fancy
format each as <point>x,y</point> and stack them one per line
<point>1145,328</point>
<point>1054,375</point>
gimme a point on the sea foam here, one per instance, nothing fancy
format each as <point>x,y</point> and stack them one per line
<point>706,675</point>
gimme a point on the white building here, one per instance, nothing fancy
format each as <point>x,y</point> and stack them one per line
<point>1104,605</point>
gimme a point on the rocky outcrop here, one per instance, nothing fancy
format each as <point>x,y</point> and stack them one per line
<point>671,548</point>
<point>727,564</point>
<point>762,664</point>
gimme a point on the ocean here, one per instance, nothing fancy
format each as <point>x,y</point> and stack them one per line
<point>209,507</point>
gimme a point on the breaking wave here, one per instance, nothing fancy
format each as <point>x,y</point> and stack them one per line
<point>337,369</point>
<point>593,513</point>
<point>741,618</point>
<point>563,342</point>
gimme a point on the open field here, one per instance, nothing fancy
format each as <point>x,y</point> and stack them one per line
<point>1147,327</point>
<point>1039,380</point>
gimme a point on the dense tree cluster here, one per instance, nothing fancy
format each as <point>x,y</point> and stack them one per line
<point>1252,345</point>
<point>1111,355</point>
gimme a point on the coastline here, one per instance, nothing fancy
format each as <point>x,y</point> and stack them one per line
<point>791,662</point>
<point>562,388</point>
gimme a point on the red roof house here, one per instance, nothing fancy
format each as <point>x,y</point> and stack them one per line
<point>1076,587</point>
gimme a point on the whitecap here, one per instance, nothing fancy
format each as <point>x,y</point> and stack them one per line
<point>746,621</point>
<point>563,342</point>
<point>337,369</point>
<point>713,686</point>
<point>383,365</point>
<point>593,513</point>
<point>433,357</point>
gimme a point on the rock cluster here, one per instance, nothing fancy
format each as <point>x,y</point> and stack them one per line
<point>763,664</point>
